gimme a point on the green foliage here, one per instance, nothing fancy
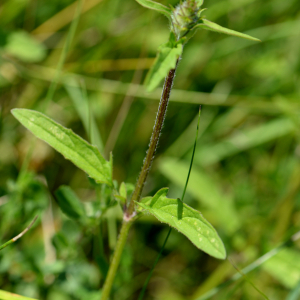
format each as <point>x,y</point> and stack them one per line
<point>166,59</point>
<point>208,25</point>
<point>69,203</point>
<point>185,18</point>
<point>9,296</point>
<point>247,154</point>
<point>285,267</point>
<point>123,190</point>
<point>156,6</point>
<point>295,293</point>
<point>81,104</point>
<point>243,140</point>
<point>204,189</point>
<point>24,47</point>
<point>186,220</point>
<point>122,196</point>
<point>66,142</point>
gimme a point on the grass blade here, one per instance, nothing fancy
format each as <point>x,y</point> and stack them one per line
<point>18,236</point>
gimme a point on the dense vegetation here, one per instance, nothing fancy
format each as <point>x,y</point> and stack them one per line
<point>84,67</point>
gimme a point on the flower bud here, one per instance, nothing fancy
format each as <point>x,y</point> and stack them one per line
<point>185,16</point>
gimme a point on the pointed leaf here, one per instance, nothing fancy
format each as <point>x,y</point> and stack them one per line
<point>85,156</point>
<point>165,61</point>
<point>69,203</point>
<point>191,223</point>
<point>156,6</point>
<point>217,28</point>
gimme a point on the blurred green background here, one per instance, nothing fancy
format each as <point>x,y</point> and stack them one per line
<point>87,72</point>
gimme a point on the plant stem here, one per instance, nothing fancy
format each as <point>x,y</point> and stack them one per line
<point>160,117</point>
<point>128,220</point>
<point>19,235</point>
<point>115,260</point>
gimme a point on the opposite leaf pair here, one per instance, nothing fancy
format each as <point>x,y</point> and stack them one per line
<point>87,157</point>
<point>185,19</point>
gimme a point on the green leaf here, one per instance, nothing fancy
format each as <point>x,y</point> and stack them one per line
<point>129,188</point>
<point>123,190</point>
<point>24,47</point>
<point>122,196</point>
<point>10,296</point>
<point>165,61</point>
<point>191,223</point>
<point>85,156</point>
<point>156,6</point>
<point>206,189</point>
<point>69,203</point>
<point>206,24</point>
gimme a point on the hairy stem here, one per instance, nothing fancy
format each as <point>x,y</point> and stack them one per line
<point>160,117</point>
<point>128,220</point>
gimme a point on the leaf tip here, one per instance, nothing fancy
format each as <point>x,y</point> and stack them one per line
<point>223,255</point>
<point>221,251</point>
<point>14,111</point>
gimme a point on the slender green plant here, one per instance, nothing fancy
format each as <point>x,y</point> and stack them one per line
<point>19,235</point>
<point>4,294</point>
<point>184,20</point>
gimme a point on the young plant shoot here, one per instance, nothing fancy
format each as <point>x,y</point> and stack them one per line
<point>184,20</point>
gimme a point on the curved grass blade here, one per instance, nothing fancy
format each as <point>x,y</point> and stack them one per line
<point>18,236</point>
<point>85,156</point>
<point>192,224</point>
<point>62,59</point>
<point>156,6</point>
<point>193,154</point>
<point>249,281</point>
<point>141,296</point>
<point>208,25</point>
